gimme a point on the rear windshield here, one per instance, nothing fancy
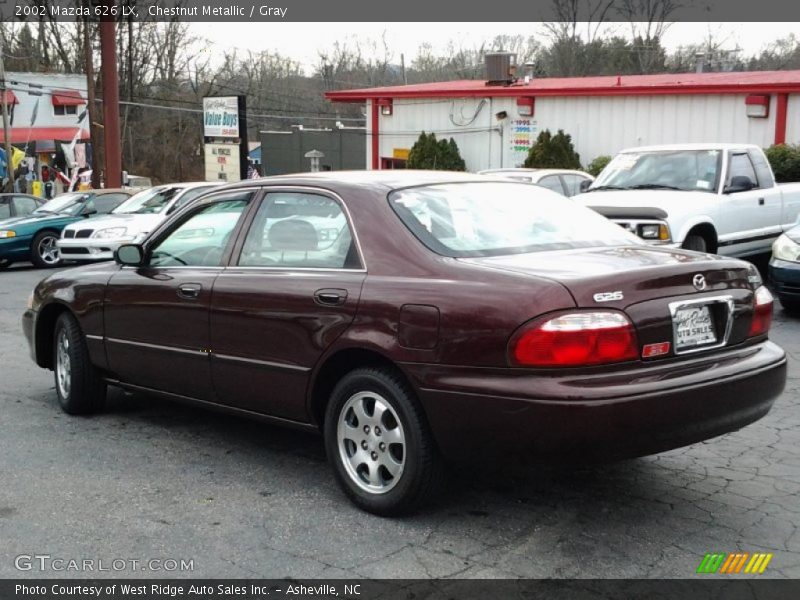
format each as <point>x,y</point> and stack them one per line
<point>492,219</point>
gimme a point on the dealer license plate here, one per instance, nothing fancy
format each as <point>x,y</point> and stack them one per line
<point>693,327</point>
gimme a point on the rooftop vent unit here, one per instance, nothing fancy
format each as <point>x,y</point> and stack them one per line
<point>501,68</point>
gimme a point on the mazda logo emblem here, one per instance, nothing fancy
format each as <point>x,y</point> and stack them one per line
<point>699,282</point>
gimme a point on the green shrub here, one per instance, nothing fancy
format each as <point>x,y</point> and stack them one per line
<point>553,152</point>
<point>785,161</point>
<point>598,164</point>
<point>432,154</point>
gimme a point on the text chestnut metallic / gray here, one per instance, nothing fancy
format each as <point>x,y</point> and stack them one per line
<point>416,319</point>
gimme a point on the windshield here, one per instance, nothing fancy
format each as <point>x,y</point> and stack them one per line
<point>69,204</point>
<point>688,170</point>
<point>493,219</point>
<point>149,201</point>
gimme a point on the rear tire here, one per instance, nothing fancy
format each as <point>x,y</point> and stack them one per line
<point>696,243</point>
<point>379,443</point>
<point>44,251</point>
<point>79,387</point>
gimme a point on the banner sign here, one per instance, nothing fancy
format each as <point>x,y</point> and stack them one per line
<point>221,117</point>
<point>223,163</point>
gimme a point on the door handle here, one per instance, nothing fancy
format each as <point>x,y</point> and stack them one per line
<point>189,291</point>
<point>330,297</point>
<point>761,202</point>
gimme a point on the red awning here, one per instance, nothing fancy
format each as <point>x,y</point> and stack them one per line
<point>20,135</point>
<point>10,97</point>
<point>67,98</point>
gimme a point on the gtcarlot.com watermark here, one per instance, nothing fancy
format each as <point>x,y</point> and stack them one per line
<point>48,563</point>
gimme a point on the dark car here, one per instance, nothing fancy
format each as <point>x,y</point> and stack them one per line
<point>784,269</point>
<point>415,319</point>
<point>34,236</point>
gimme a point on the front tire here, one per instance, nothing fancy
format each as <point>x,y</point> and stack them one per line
<point>696,243</point>
<point>44,250</point>
<point>4,263</point>
<point>79,387</point>
<point>379,444</point>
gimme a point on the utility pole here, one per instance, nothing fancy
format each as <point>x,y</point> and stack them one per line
<point>9,183</point>
<point>97,145</point>
<point>111,131</point>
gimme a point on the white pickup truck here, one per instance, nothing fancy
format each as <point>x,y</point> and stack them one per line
<point>719,198</point>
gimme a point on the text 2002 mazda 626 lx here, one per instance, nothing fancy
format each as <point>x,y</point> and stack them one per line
<point>415,318</point>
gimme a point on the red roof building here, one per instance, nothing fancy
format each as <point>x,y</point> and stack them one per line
<point>495,124</point>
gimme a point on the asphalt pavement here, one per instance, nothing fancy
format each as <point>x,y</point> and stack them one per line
<point>149,482</point>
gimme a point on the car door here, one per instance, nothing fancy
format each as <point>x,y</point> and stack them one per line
<point>749,218</point>
<point>156,315</point>
<point>292,288</point>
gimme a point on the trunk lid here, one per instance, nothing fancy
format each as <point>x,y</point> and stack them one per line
<point>651,285</point>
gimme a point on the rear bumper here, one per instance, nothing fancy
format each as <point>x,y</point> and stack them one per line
<point>515,415</point>
<point>785,279</point>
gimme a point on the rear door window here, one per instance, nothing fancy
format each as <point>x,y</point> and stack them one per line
<point>299,230</point>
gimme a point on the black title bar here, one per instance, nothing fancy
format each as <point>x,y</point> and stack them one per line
<point>333,11</point>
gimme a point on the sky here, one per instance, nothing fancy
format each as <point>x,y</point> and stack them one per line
<point>303,41</point>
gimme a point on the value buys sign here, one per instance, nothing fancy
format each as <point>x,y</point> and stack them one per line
<point>222,162</point>
<point>221,117</point>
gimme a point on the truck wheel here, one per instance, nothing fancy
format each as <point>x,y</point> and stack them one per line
<point>695,242</point>
<point>79,387</point>
<point>379,443</point>
<point>44,251</point>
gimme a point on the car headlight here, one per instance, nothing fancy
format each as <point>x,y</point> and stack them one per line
<point>7,233</point>
<point>785,248</point>
<point>111,232</point>
<point>654,231</point>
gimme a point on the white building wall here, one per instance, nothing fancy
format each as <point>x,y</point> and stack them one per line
<point>605,125</point>
<point>598,124</point>
<point>793,119</point>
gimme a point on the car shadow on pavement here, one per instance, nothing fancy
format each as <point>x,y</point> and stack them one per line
<point>477,491</point>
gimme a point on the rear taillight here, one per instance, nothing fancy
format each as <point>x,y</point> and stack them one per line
<point>575,339</point>
<point>762,312</point>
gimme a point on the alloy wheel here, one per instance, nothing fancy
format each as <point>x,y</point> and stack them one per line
<point>371,441</point>
<point>63,364</point>
<point>48,250</point>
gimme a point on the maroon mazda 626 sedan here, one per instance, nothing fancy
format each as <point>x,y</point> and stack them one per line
<point>415,318</point>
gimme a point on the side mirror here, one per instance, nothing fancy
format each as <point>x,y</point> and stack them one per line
<point>585,183</point>
<point>739,183</point>
<point>129,254</point>
<point>89,212</point>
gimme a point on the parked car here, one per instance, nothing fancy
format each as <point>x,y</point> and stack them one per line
<point>425,325</point>
<point>566,182</point>
<point>97,239</point>
<point>33,237</point>
<point>784,269</point>
<point>719,198</point>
